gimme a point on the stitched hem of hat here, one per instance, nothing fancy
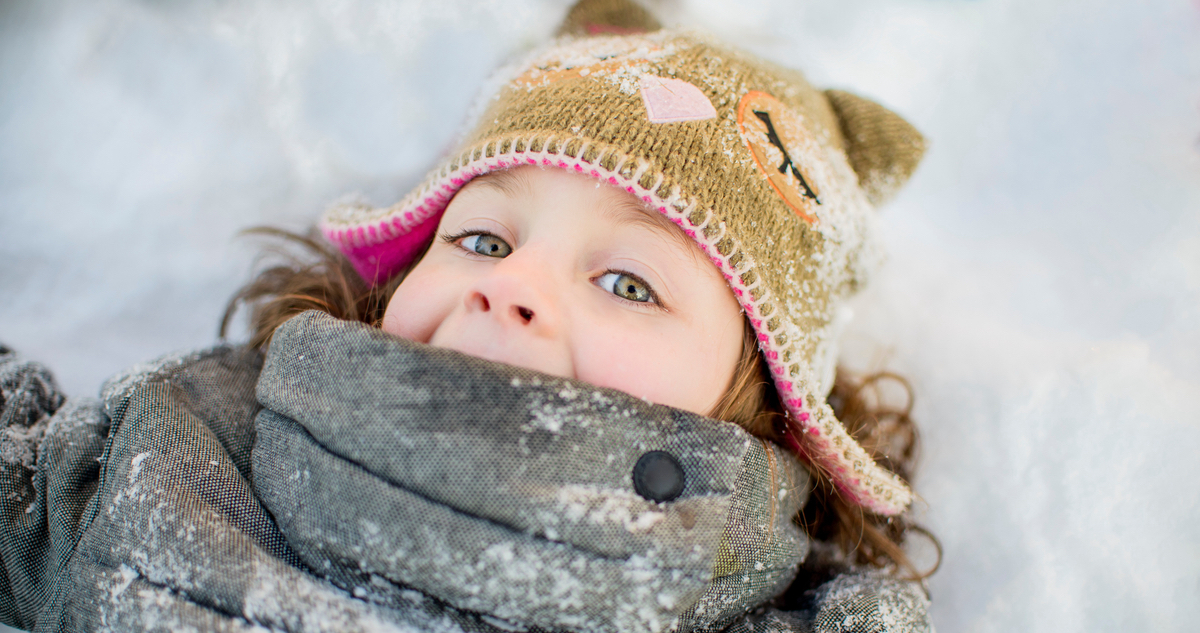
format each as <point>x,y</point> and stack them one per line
<point>379,242</point>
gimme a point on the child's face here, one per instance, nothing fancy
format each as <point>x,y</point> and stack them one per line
<point>554,271</point>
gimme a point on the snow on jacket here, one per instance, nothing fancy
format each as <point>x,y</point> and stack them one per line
<point>351,481</point>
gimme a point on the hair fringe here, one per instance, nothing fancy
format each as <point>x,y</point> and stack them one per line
<point>312,276</point>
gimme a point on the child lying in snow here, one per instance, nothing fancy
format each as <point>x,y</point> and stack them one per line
<point>647,231</point>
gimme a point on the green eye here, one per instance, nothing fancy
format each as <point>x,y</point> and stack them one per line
<point>627,287</point>
<point>486,244</point>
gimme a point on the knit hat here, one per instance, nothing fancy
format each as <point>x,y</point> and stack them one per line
<point>774,180</point>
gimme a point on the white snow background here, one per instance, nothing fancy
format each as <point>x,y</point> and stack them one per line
<point>1042,293</point>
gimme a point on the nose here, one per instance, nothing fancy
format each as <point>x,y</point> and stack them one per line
<point>516,297</point>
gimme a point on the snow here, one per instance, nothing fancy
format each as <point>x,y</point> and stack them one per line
<point>605,506</point>
<point>19,444</point>
<point>135,466</point>
<point>1042,289</point>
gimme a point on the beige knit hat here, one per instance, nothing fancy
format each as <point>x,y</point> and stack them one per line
<point>774,179</point>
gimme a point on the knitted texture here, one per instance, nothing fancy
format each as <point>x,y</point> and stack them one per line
<point>883,148</point>
<point>607,16</point>
<point>744,156</point>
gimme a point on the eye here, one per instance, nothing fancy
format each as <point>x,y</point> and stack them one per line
<point>486,244</point>
<point>627,287</point>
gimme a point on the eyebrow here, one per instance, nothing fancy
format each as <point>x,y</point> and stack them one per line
<point>634,212</point>
<point>510,183</point>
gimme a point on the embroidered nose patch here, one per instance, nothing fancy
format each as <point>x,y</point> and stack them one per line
<point>672,100</point>
<point>657,476</point>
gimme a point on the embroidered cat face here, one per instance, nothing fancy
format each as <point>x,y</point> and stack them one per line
<point>551,270</point>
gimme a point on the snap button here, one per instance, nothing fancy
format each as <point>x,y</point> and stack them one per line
<point>657,476</point>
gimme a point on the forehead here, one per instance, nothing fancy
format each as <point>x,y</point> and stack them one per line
<point>620,207</point>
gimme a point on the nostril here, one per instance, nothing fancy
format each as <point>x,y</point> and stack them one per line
<point>483,304</point>
<point>526,314</point>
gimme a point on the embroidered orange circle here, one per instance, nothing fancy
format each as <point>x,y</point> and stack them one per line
<point>776,139</point>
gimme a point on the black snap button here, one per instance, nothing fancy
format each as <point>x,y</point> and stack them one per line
<point>657,476</point>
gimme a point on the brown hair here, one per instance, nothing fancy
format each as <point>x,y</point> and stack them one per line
<point>318,277</point>
<point>886,432</point>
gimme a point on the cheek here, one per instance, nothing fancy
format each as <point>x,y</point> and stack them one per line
<point>681,367</point>
<point>419,305</point>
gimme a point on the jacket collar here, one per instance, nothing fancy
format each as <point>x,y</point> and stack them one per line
<point>511,493</point>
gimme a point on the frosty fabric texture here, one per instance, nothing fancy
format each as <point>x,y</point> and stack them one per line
<point>360,482</point>
<point>852,601</point>
<point>510,492</point>
<point>773,179</point>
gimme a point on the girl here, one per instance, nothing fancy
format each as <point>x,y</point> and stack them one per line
<point>646,231</point>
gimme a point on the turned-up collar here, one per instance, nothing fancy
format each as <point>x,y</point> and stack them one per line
<point>511,493</point>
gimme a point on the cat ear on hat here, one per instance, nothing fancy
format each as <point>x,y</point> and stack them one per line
<point>883,148</point>
<point>607,17</point>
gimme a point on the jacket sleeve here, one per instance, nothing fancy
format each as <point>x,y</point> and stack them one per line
<point>853,600</point>
<point>49,448</point>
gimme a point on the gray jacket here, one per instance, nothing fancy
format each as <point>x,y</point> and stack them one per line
<point>353,481</point>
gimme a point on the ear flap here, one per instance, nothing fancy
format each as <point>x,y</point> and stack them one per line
<point>883,148</point>
<point>600,17</point>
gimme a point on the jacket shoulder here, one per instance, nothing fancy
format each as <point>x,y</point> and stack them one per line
<point>216,385</point>
<point>214,366</point>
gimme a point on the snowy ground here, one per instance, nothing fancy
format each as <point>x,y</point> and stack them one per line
<point>1043,291</point>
